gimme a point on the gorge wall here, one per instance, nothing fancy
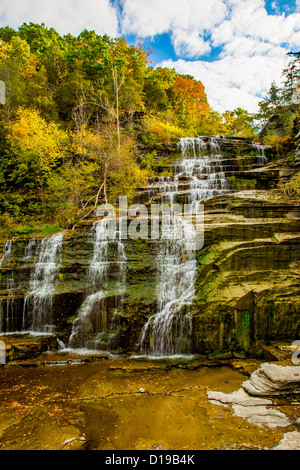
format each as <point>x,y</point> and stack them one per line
<point>237,293</point>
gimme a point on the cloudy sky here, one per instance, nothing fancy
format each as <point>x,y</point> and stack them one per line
<point>235,47</point>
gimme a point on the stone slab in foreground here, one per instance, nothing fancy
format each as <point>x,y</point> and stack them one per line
<point>273,380</point>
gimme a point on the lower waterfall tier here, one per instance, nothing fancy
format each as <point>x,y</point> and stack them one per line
<point>246,286</point>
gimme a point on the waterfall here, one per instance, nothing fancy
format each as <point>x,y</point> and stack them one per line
<point>260,153</point>
<point>9,310</point>
<point>38,302</point>
<point>191,145</point>
<point>10,281</point>
<point>199,175</point>
<point>91,320</point>
<point>204,173</point>
<point>6,252</point>
<point>29,250</point>
<point>7,320</point>
<point>170,327</point>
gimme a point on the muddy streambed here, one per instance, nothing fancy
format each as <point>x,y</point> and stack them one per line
<point>125,404</point>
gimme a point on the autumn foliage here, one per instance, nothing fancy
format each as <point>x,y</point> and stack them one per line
<point>69,136</point>
<point>191,99</point>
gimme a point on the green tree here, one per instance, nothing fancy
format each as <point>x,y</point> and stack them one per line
<point>240,123</point>
<point>25,78</point>
<point>291,75</point>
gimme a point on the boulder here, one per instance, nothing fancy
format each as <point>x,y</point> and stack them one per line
<point>273,380</point>
<point>262,416</point>
<point>290,441</point>
<point>255,410</point>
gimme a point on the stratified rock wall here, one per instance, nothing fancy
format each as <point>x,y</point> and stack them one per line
<point>248,279</point>
<point>297,139</point>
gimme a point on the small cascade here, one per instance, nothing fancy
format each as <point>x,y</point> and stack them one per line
<point>92,319</point>
<point>202,174</point>
<point>61,344</point>
<point>38,303</point>
<point>121,263</point>
<point>30,250</point>
<point>213,145</point>
<point>191,145</point>
<point>7,310</point>
<point>6,252</point>
<point>170,327</point>
<point>10,308</point>
<point>198,175</point>
<point>260,154</point>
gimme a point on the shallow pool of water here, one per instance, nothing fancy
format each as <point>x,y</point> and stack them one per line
<point>122,404</point>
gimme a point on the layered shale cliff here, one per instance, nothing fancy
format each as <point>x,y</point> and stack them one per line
<point>237,293</point>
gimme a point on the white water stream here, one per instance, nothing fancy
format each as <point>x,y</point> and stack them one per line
<point>201,174</point>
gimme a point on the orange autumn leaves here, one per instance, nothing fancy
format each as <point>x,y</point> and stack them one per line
<point>191,100</point>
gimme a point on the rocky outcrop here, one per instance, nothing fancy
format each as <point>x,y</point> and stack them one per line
<point>254,410</point>
<point>247,283</point>
<point>248,277</point>
<point>290,441</point>
<point>281,122</point>
<point>268,381</point>
<point>274,380</point>
<point>18,348</point>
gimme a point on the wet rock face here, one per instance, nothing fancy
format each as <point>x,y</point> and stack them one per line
<point>117,324</point>
<point>297,139</point>
<point>246,278</point>
<point>246,289</point>
<point>20,347</point>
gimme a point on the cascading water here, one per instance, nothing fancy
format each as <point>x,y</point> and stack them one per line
<point>199,175</point>
<point>6,252</point>
<point>260,153</point>
<point>29,250</point>
<point>7,312</point>
<point>9,307</point>
<point>170,327</point>
<point>38,302</point>
<point>92,316</point>
<point>202,174</point>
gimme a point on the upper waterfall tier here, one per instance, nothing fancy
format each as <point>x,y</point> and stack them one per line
<point>202,177</point>
<point>205,169</point>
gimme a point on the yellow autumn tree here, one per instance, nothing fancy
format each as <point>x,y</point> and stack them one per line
<point>115,169</point>
<point>26,80</point>
<point>36,146</point>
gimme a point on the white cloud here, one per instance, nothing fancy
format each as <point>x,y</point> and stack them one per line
<point>249,18</point>
<point>190,20</point>
<point>187,20</point>
<point>241,46</point>
<point>252,41</point>
<point>190,45</point>
<point>234,81</point>
<point>64,15</point>
<point>148,18</point>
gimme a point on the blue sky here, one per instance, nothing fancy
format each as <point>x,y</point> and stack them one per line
<point>235,47</point>
<point>164,49</point>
